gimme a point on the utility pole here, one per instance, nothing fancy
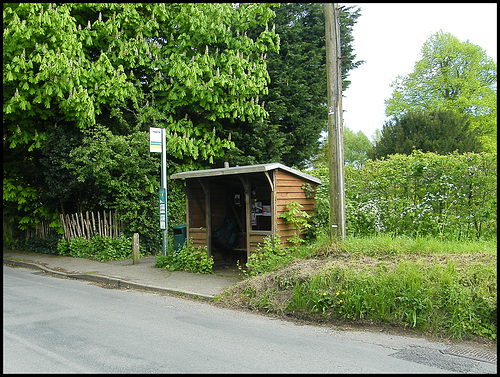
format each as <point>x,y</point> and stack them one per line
<point>335,129</point>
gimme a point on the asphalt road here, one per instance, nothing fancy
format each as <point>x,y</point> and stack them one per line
<point>55,325</point>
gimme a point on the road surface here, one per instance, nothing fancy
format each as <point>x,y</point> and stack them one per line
<point>56,325</point>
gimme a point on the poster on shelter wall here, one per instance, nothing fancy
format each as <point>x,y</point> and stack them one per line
<point>257,208</point>
<point>254,219</point>
<point>266,210</point>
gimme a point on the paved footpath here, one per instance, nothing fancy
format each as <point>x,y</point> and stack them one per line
<point>124,273</point>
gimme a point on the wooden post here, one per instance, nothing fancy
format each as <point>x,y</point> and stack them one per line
<point>88,225</point>
<point>110,225</point>
<point>79,231</point>
<point>105,224</point>
<point>335,132</point>
<point>135,248</point>
<point>93,224</point>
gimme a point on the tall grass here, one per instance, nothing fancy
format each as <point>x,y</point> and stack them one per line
<point>444,288</point>
<point>442,299</point>
<point>386,245</point>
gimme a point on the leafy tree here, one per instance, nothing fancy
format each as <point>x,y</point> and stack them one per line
<point>440,131</point>
<point>357,148</point>
<point>297,96</point>
<point>377,134</point>
<point>184,67</point>
<point>451,75</point>
<point>63,193</point>
<point>118,170</point>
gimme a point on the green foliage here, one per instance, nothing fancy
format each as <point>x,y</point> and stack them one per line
<point>450,197</point>
<point>123,176</point>
<point>63,247</point>
<point>328,300</point>
<point>99,248</point>
<point>266,257</point>
<point>79,247</point>
<point>176,207</point>
<point>187,259</point>
<point>383,245</point>
<point>298,218</point>
<point>440,131</point>
<point>37,245</point>
<point>22,205</point>
<point>75,66</point>
<point>451,75</point>
<point>357,149</point>
<point>438,298</point>
<point>75,61</point>
<point>106,248</point>
<point>320,217</point>
<point>308,190</point>
<point>296,98</point>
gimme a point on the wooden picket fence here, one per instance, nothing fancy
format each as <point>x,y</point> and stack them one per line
<point>78,225</point>
<point>40,230</point>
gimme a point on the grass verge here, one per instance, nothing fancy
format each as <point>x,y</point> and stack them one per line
<point>445,289</point>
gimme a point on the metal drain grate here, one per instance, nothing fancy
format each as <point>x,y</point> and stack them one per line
<point>479,355</point>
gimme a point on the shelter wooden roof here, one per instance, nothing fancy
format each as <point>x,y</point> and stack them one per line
<point>247,169</point>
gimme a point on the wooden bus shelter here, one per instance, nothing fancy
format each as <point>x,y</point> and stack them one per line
<point>244,203</point>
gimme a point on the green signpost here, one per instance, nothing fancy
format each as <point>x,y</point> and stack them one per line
<point>163,209</point>
<point>158,144</point>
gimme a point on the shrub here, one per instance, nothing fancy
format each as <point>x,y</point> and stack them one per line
<point>451,197</point>
<point>35,244</point>
<point>266,257</point>
<point>187,259</point>
<point>79,248</point>
<point>63,247</point>
<point>106,248</point>
<point>100,248</point>
<point>298,218</point>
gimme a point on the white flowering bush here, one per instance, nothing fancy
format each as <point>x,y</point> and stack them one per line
<point>424,194</point>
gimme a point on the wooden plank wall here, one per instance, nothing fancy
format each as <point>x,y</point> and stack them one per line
<point>196,207</point>
<point>219,199</point>
<point>196,200</point>
<point>257,237</point>
<point>288,189</point>
<point>199,237</point>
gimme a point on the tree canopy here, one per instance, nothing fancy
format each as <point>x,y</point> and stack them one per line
<point>357,149</point>
<point>297,96</point>
<point>181,66</point>
<point>115,70</point>
<point>451,75</point>
<point>439,131</point>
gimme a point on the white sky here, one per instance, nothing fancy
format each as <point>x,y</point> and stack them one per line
<point>389,38</point>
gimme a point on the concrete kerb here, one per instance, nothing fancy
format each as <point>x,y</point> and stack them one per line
<point>115,282</point>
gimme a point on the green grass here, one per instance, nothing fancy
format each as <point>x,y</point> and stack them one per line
<point>442,288</point>
<point>387,245</point>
